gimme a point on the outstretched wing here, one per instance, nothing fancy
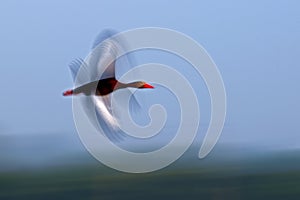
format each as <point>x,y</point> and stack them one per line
<point>99,105</point>
<point>103,35</point>
<point>75,66</point>
<point>104,53</point>
<point>110,58</point>
<point>101,63</point>
<point>111,54</point>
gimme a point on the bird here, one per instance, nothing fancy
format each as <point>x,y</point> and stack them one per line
<point>98,80</point>
<point>105,87</point>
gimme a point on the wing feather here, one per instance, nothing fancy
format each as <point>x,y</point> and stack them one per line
<point>103,59</point>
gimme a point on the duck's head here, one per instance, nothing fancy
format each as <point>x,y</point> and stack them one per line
<point>145,85</point>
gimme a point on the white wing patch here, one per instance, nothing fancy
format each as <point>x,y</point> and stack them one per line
<point>103,106</point>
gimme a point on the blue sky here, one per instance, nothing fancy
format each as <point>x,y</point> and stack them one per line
<point>255,45</point>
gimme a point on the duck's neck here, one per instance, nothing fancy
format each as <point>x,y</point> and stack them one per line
<point>136,84</point>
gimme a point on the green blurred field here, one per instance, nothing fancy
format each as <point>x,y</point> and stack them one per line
<point>103,183</point>
<point>226,173</point>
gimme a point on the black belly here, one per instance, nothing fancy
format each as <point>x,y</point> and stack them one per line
<point>106,86</point>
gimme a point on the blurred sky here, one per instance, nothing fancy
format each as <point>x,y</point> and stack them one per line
<point>255,44</point>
